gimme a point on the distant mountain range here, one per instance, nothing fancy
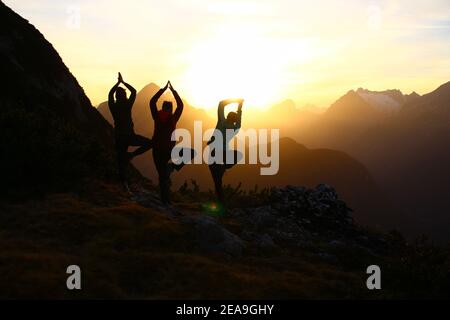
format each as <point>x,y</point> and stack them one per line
<point>405,149</point>
<point>410,158</point>
<point>386,101</point>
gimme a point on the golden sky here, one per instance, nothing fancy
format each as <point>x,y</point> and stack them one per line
<point>264,51</point>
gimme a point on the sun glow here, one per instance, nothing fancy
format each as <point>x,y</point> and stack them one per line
<point>237,63</point>
<point>265,51</point>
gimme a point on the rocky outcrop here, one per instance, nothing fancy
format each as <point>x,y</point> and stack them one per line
<point>295,214</point>
<point>303,217</point>
<point>211,236</point>
<point>293,217</point>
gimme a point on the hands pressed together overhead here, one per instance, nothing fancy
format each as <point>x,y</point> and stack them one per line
<point>169,86</point>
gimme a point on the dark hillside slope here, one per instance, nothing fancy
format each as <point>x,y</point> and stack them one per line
<point>49,131</point>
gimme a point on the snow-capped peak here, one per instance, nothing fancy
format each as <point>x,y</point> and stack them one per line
<point>386,101</point>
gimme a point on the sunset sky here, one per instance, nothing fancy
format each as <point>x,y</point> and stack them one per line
<point>263,51</point>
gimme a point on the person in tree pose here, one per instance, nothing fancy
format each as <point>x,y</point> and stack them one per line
<point>232,123</point>
<point>165,124</point>
<point>125,136</point>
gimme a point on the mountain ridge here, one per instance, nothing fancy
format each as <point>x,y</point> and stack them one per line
<point>51,131</point>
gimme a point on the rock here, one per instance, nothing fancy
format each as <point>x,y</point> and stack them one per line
<point>321,202</point>
<point>151,200</point>
<point>237,212</point>
<point>324,192</point>
<point>362,239</point>
<point>336,244</point>
<point>304,243</point>
<point>296,215</point>
<point>327,257</point>
<point>266,242</point>
<point>262,217</point>
<point>248,235</point>
<point>212,237</point>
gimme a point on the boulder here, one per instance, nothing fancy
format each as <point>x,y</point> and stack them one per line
<point>212,237</point>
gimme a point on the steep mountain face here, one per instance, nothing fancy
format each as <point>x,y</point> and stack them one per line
<point>342,123</point>
<point>351,106</point>
<point>435,103</point>
<point>35,76</point>
<point>352,115</point>
<point>48,128</point>
<point>384,101</point>
<point>410,158</point>
<point>405,151</point>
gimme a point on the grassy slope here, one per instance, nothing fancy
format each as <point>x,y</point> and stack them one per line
<point>129,251</point>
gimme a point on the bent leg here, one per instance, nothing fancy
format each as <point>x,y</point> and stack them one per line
<point>185,154</point>
<point>143,143</point>
<point>237,156</point>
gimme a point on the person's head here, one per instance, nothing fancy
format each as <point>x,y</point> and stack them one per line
<point>167,106</point>
<point>121,94</point>
<point>232,117</point>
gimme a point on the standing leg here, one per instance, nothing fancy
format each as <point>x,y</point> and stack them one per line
<point>122,157</point>
<point>217,172</point>
<point>161,164</point>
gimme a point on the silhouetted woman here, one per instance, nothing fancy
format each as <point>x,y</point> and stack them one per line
<point>123,127</point>
<point>165,124</point>
<point>233,123</point>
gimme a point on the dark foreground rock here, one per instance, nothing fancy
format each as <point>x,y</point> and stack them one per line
<point>299,217</point>
<point>293,217</point>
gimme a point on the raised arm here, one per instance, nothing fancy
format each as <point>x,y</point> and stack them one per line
<point>223,104</point>
<point>154,101</point>
<point>111,94</point>
<point>239,114</point>
<point>133,93</point>
<point>180,105</point>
